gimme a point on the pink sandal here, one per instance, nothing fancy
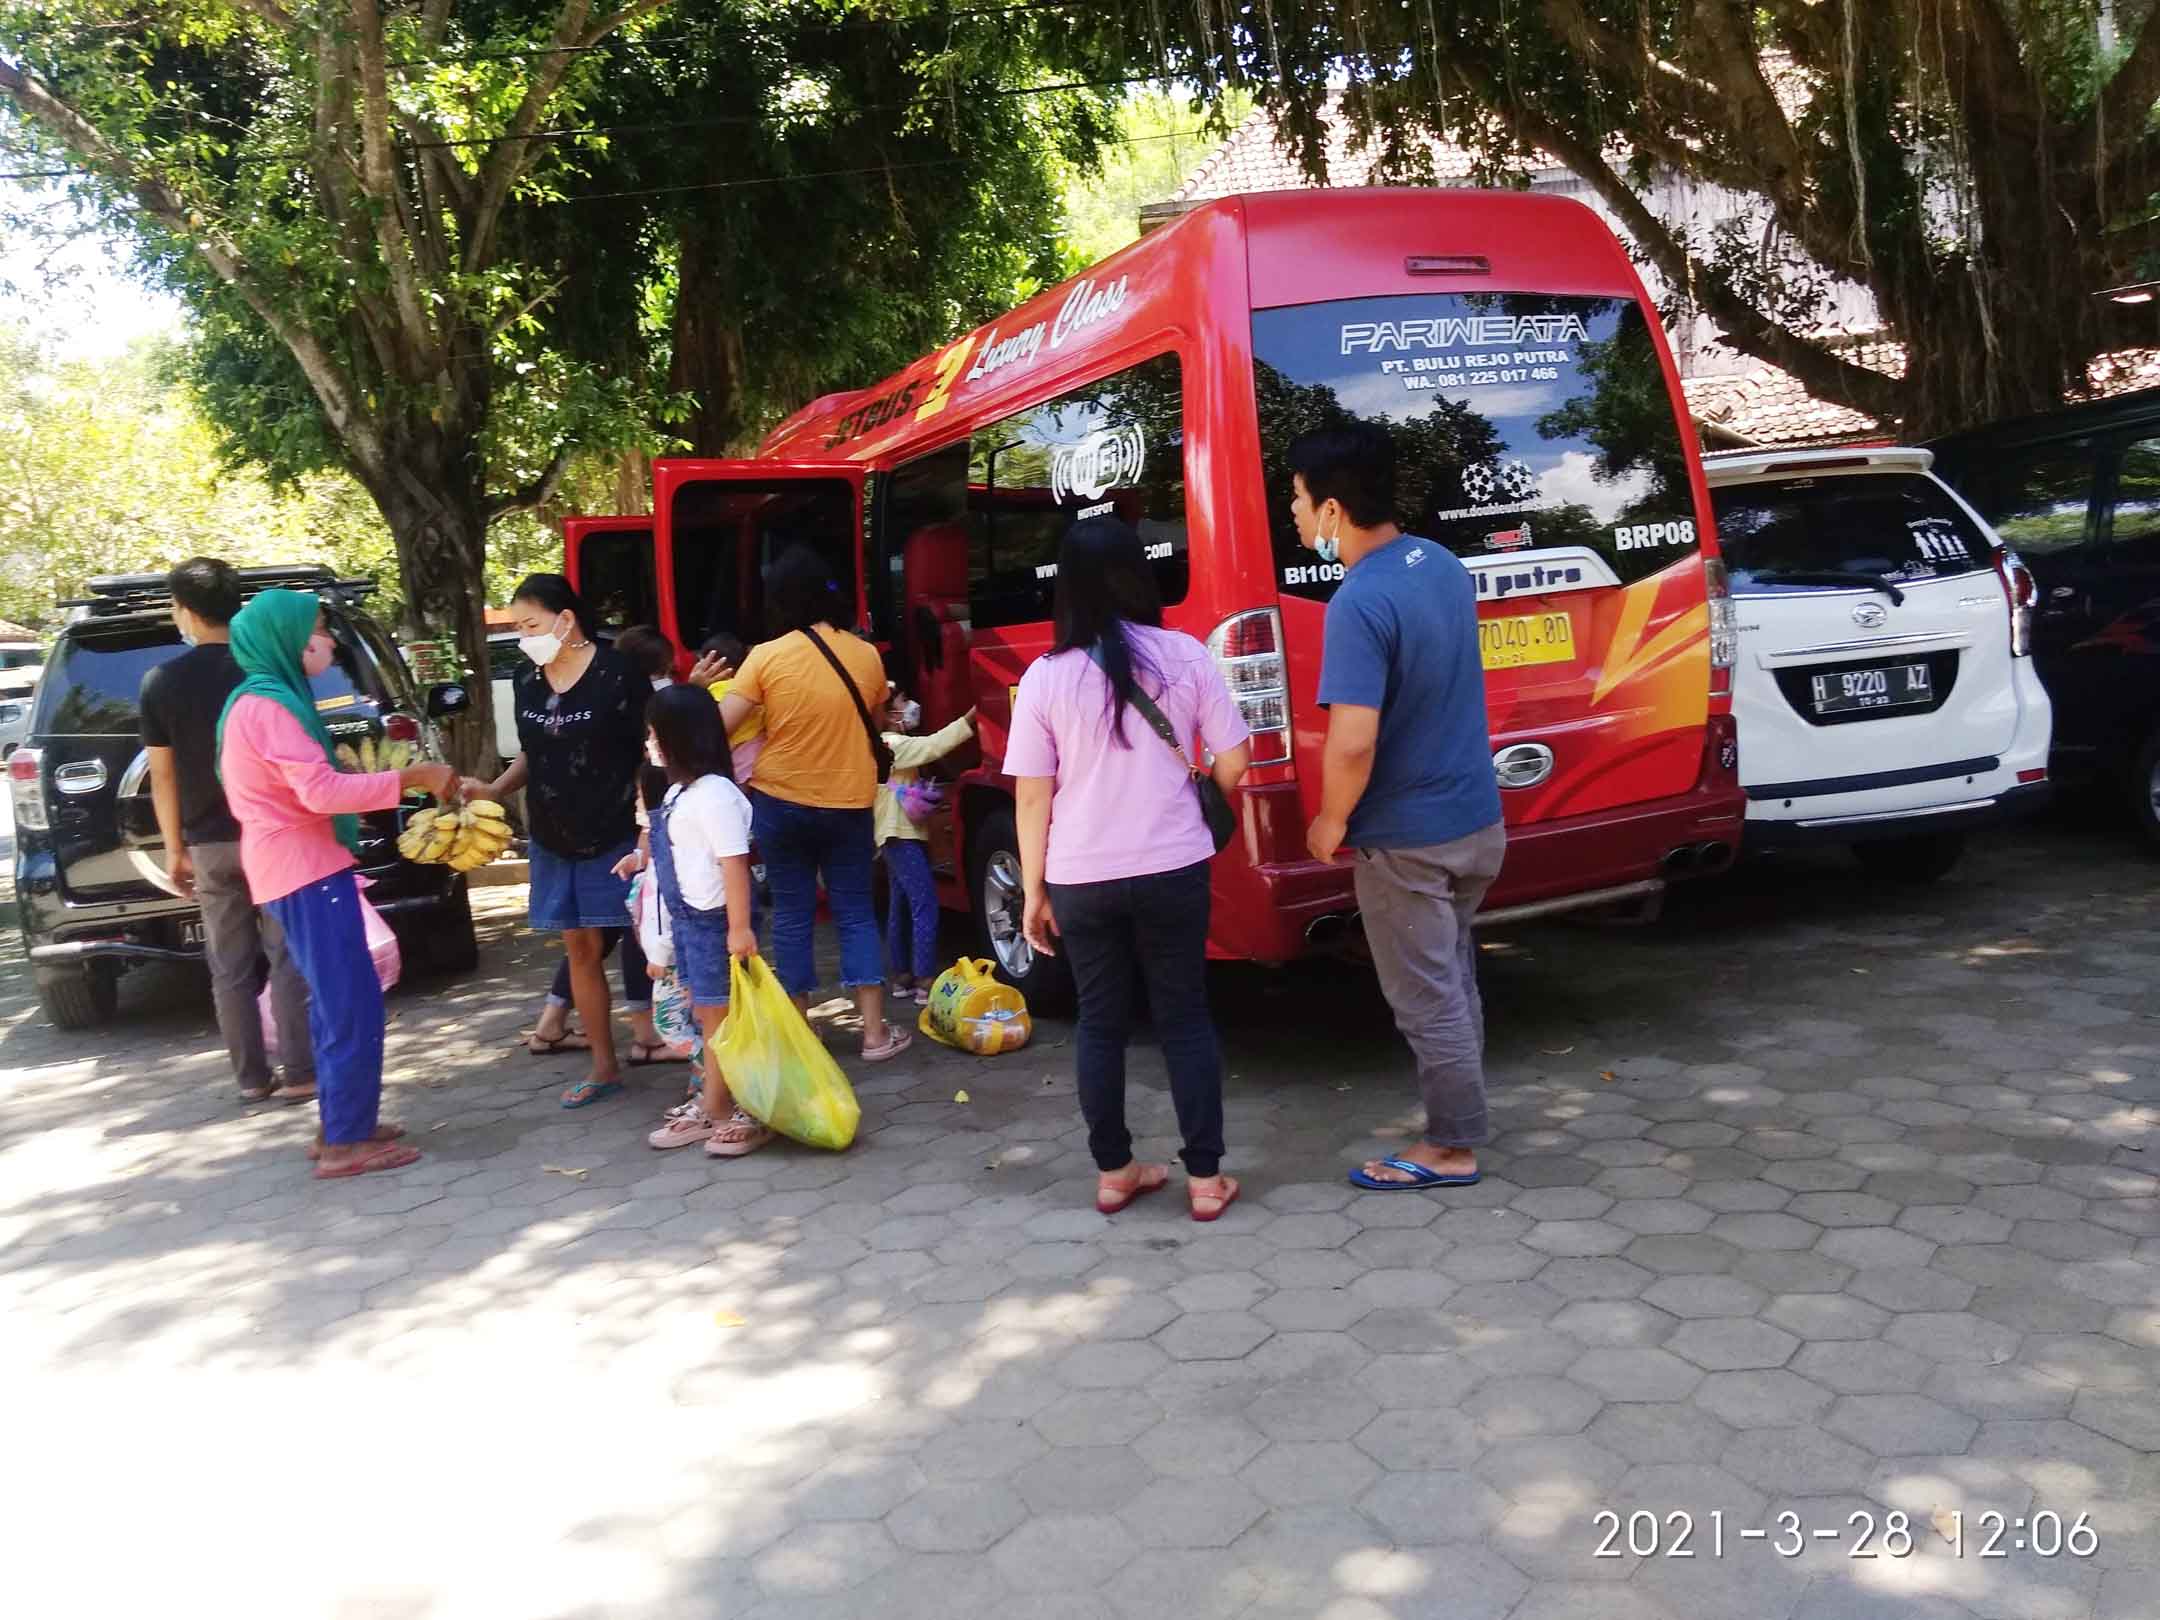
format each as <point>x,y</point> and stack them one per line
<point>1215,1202</point>
<point>686,1124</point>
<point>721,1146</point>
<point>390,1156</point>
<point>897,1040</point>
<point>1113,1193</point>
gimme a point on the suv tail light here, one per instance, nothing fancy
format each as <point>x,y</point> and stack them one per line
<point>401,728</point>
<point>2022,591</point>
<point>1724,627</point>
<point>1249,649</point>
<point>26,784</point>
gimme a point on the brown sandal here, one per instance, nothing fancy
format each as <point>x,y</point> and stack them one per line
<point>1113,1192</point>
<point>1218,1201</point>
<point>385,1132</point>
<point>390,1156</point>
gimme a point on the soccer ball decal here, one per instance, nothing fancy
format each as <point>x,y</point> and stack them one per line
<point>1489,483</point>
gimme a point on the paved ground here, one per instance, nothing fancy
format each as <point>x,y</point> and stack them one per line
<point>1815,1198</point>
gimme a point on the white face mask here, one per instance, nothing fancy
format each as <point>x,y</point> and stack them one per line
<point>542,650</point>
<point>659,681</point>
<point>909,714</point>
<point>652,753</point>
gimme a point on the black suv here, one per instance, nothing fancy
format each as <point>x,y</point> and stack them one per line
<point>89,861</point>
<point>2076,494</point>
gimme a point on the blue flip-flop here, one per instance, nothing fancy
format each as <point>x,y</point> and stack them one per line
<point>585,1093</point>
<point>1421,1176</point>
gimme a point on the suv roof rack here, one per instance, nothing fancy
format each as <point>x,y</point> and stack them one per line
<point>115,595</point>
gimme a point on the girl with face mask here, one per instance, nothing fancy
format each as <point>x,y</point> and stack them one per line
<point>299,822</point>
<point>581,736</point>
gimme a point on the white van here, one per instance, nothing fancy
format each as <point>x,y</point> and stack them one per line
<point>1884,690</point>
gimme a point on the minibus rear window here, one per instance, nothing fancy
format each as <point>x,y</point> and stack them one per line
<point>615,577</point>
<point>1895,526</point>
<point>1523,422</point>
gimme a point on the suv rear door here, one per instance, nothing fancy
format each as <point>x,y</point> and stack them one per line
<point>1863,679</point>
<point>86,724</point>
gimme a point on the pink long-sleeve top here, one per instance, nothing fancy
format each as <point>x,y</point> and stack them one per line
<point>283,793</point>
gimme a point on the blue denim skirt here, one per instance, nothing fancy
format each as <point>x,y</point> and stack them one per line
<point>578,894</point>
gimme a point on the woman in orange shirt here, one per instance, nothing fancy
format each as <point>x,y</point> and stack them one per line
<point>816,783</point>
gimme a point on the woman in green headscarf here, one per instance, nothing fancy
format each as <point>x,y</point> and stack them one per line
<point>299,821</point>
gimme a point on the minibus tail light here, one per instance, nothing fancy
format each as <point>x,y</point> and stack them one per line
<point>1724,627</point>
<point>2022,591</point>
<point>1248,648</point>
<point>26,786</point>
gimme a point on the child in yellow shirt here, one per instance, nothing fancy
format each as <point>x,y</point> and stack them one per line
<point>904,805</point>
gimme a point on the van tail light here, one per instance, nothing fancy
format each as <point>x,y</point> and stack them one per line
<point>26,785</point>
<point>1724,627</point>
<point>401,728</point>
<point>1248,647</point>
<point>2022,591</point>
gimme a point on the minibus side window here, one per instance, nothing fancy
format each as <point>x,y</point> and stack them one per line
<point>1523,423</point>
<point>615,576</point>
<point>1113,447</point>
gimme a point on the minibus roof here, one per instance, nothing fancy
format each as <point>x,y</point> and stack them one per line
<point>1215,263</point>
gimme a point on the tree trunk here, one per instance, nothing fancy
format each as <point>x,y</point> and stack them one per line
<point>708,363</point>
<point>441,548</point>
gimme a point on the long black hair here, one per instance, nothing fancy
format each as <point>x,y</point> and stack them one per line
<point>557,595</point>
<point>685,722</point>
<point>1104,584</point>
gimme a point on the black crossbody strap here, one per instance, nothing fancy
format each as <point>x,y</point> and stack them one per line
<point>1156,719</point>
<point>878,752</point>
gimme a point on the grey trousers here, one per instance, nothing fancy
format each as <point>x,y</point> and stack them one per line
<point>1417,905</point>
<point>235,937</point>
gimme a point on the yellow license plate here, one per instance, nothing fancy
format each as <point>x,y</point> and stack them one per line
<point>1527,638</point>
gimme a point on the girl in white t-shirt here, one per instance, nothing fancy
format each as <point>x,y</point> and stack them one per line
<point>701,858</point>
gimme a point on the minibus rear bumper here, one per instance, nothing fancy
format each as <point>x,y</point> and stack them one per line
<point>1277,911</point>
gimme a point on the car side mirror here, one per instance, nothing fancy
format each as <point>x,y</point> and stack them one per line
<point>446,700</point>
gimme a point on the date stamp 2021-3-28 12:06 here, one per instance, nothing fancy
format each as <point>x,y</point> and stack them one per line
<point>1647,1533</point>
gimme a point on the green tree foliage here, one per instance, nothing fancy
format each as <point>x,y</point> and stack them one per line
<point>1161,138</point>
<point>1982,169</point>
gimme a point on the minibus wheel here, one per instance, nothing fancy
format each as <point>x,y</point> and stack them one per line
<point>994,887</point>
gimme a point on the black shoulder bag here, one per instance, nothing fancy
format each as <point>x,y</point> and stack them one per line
<point>880,755</point>
<point>1214,803</point>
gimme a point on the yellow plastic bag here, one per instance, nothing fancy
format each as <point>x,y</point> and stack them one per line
<point>776,1066</point>
<point>971,1010</point>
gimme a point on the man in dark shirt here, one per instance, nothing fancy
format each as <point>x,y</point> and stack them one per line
<point>181,701</point>
<point>1406,780</point>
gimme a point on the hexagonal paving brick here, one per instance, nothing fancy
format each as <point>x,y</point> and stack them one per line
<point>1657,1433</point>
<point>1440,1505</point>
<point>1689,1254</point>
<point>1311,1268</point>
<point>1200,1447</point>
<point>1539,1405</point>
<point>1619,1322</point>
<point>1635,1374</point>
<point>1798,1461</point>
<point>1697,1489</point>
<point>1603,1277</point>
<point>957,1518</point>
<point>1732,1344</point>
<point>2132,1419</point>
<point>1299,1473</point>
<point>969,1451</point>
<point>1843,1209</point>
<point>1659,1217</point>
<point>1561,1204</point>
<point>1403,1332</point>
<point>1063,1552</point>
<point>1420,1381</point>
<point>1771,1398</point>
<point>1826,1316</point>
<point>1578,1238</point>
<point>1171,1513</point>
<point>1415,1441</point>
<point>1493,1262</point>
<point>816,1559</point>
<point>1900,1425</point>
<point>864,1485</point>
<point>1693,1296</point>
<point>1502,1303</point>
<point>1097,1417</point>
<point>1391,1288</point>
<point>1543,1538</point>
<point>1771,1230</point>
<point>1213,1336</point>
<point>1913,1288</point>
<point>1953,1336</point>
<point>2070,1240</point>
<point>1738,1196</point>
<point>1311,1309</point>
<point>1566,1467</point>
<point>1311,1411</point>
<point>1861,1367</point>
<point>1082,1479</point>
<point>1876,1247</point>
<point>1322,1230</point>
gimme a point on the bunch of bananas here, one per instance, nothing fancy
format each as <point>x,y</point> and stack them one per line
<point>391,754</point>
<point>461,837</point>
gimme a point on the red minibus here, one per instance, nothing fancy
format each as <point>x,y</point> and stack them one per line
<point>1505,342</point>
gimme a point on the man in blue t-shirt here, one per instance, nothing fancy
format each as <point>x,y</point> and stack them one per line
<point>1407,781</point>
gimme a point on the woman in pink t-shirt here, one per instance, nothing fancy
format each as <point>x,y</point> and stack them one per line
<point>1114,851</point>
<point>299,827</point>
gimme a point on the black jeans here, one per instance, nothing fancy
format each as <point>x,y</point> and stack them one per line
<point>1159,925</point>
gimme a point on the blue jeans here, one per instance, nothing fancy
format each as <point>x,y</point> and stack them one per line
<point>325,936</point>
<point>799,843</point>
<point>911,909</point>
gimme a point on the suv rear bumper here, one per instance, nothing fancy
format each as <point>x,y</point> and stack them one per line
<point>59,933</point>
<point>1968,813</point>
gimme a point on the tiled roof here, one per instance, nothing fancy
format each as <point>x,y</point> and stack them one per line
<point>1252,160</point>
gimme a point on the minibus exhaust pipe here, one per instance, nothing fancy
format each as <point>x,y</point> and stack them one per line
<point>1679,862</point>
<point>1333,933</point>
<point>1713,858</point>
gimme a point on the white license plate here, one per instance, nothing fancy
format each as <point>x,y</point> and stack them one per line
<point>191,933</point>
<point>1896,687</point>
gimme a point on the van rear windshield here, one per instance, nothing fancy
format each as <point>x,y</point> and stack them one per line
<point>1895,526</point>
<point>1523,422</point>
